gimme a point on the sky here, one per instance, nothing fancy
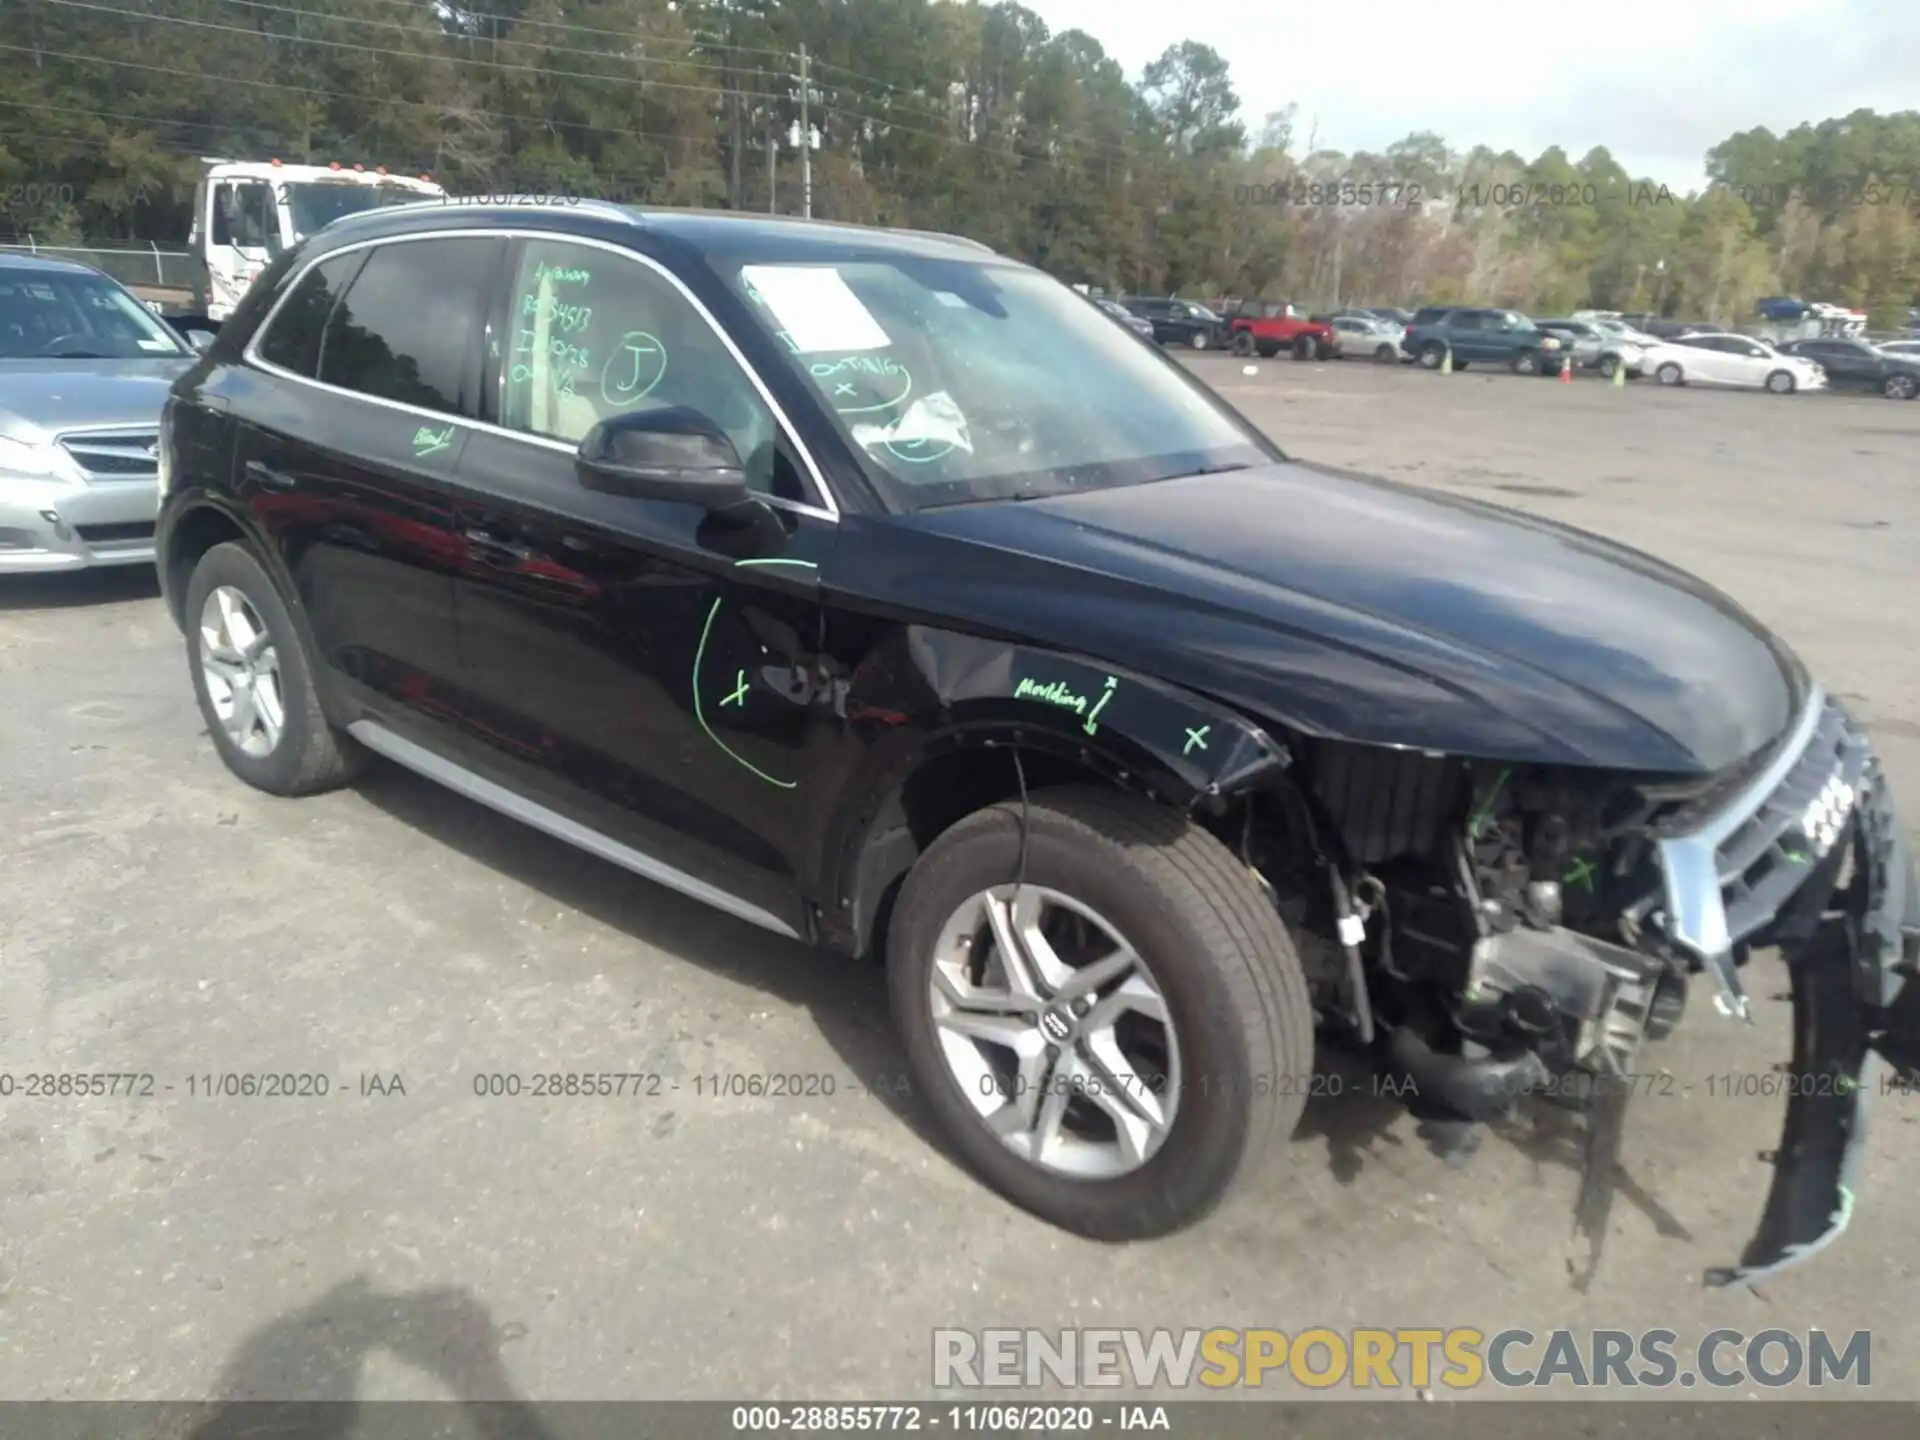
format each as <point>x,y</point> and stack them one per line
<point>1658,82</point>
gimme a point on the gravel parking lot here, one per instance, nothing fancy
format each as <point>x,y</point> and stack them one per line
<point>403,1237</point>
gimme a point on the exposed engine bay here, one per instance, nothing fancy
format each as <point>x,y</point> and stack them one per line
<point>1493,932</point>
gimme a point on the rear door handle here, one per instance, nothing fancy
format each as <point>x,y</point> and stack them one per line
<point>263,474</point>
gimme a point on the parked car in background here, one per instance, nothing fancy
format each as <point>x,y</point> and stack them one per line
<point>1738,361</point>
<point>1602,345</point>
<point>1902,347</point>
<point>1182,322</point>
<point>1392,314</point>
<point>1487,337</point>
<point>1678,329</point>
<point>1266,327</point>
<point>1368,337</point>
<point>1856,365</point>
<point>84,371</point>
<point>1635,351</point>
<point>1140,327</point>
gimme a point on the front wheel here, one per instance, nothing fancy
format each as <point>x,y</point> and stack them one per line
<point>1115,1038</point>
<point>1669,374</point>
<point>1386,354</point>
<point>1900,387</point>
<point>1243,342</point>
<point>1198,339</point>
<point>1780,383</point>
<point>253,677</point>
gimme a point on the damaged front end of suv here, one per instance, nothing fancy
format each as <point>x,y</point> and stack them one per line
<point>1500,930</point>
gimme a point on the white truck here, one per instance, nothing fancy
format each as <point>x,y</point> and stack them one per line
<point>247,211</point>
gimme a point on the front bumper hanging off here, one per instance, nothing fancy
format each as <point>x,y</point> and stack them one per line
<point>1850,937</point>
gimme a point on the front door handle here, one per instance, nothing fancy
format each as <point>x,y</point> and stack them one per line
<point>491,544</point>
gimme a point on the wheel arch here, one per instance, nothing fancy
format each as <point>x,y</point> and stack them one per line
<point>1166,745</point>
<point>187,535</point>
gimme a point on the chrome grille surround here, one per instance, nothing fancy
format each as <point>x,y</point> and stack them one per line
<point>113,453</point>
<point>1728,877</point>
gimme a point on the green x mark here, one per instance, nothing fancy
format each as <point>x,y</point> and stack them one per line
<point>739,696</point>
<point>1196,737</point>
<point>1581,873</point>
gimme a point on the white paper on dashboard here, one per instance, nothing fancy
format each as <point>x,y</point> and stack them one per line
<point>934,418</point>
<point>816,308</point>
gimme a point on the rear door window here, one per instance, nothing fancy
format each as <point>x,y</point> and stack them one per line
<point>407,328</point>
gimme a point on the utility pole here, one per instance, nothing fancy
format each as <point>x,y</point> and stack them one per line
<point>806,143</point>
<point>773,194</point>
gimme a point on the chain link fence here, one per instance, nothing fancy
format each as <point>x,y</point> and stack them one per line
<point>140,267</point>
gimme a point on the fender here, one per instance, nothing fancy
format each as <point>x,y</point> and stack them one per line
<point>935,692</point>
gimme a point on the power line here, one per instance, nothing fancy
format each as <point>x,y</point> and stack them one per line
<point>354,97</point>
<point>541,70</point>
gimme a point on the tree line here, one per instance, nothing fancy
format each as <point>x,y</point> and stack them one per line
<point>956,116</point>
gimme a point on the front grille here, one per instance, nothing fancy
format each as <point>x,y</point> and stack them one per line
<point>127,530</point>
<point>114,454</point>
<point>1727,878</point>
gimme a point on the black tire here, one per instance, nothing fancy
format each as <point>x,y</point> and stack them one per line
<point>1608,364</point>
<point>1775,385</point>
<point>1387,354</point>
<point>1670,374</point>
<point>1526,362</point>
<point>1303,347</point>
<point>1900,387</point>
<point>310,756</point>
<point>1223,960</point>
<point>1432,355</point>
<point>1243,342</point>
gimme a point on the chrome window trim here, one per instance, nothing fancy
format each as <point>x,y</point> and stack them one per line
<point>830,510</point>
<point>1690,866</point>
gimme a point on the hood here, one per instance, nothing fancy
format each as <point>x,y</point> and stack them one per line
<point>40,398</point>
<point>1345,606</point>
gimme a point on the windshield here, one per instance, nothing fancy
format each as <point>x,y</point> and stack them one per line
<point>77,315</point>
<point>315,203</point>
<point>963,381</point>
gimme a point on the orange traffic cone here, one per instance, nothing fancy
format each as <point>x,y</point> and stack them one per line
<point>1566,374</point>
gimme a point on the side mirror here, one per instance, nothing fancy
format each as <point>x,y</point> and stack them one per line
<point>671,453</point>
<point>200,340</point>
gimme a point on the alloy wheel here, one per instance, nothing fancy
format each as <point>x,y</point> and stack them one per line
<point>1056,1032</point>
<point>241,668</point>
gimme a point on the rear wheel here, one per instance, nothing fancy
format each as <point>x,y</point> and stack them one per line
<point>253,677</point>
<point>1432,354</point>
<point>1243,342</point>
<point>1900,387</point>
<point>1386,354</point>
<point>1118,1041</point>
<point>1669,374</point>
<point>1526,363</point>
<point>1609,364</point>
<point>1780,383</point>
<point>1198,339</point>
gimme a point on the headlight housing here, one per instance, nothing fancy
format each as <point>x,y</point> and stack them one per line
<point>163,461</point>
<point>1549,343</point>
<point>35,462</point>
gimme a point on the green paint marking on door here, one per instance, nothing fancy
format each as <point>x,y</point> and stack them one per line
<point>1196,739</point>
<point>429,441</point>
<point>700,714</point>
<point>1581,873</point>
<point>1105,696</point>
<point>739,696</point>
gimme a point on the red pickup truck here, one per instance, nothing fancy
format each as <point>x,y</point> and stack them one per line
<point>1266,327</point>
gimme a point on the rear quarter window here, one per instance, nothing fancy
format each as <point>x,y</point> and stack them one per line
<point>292,338</point>
<point>407,329</point>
